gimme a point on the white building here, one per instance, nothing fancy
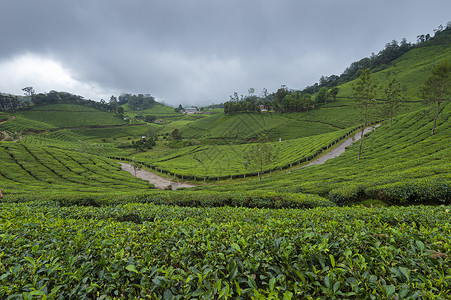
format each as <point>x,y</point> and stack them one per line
<point>190,110</point>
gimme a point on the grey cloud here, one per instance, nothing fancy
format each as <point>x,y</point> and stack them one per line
<point>200,51</point>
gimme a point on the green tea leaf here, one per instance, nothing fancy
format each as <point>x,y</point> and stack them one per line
<point>131,268</point>
<point>236,247</point>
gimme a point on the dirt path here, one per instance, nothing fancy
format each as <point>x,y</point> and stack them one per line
<point>158,181</point>
<point>4,133</point>
<point>5,136</point>
<point>340,149</point>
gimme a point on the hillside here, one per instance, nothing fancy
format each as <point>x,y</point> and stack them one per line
<point>400,164</point>
<point>159,110</point>
<point>50,116</point>
<point>225,161</point>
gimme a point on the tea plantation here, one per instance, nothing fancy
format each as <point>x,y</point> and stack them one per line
<point>402,164</point>
<point>152,251</point>
<point>73,225</point>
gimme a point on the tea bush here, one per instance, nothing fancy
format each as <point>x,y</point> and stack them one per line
<point>140,250</point>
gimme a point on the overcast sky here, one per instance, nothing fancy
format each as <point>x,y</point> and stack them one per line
<point>196,52</point>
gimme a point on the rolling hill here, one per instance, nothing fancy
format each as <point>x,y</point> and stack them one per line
<point>74,225</point>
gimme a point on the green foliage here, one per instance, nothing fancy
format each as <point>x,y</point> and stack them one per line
<point>137,102</point>
<point>143,144</point>
<point>321,96</point>
<point>148,251</point>
<point>182,198</point>
<point>176,135</point>
<point>243,127</point>
<point>159,110</point>
<point>9,102</point>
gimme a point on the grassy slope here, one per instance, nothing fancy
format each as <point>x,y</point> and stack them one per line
<point>69,115</point>
<point>227,160</point>
<point>159,110</point>
<point>59,116</point>
<point>29,170</point>
<point>405,153</point>
<point>249,126</point>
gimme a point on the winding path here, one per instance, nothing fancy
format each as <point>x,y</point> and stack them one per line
<point>6,136</point>
<point>158,181</point>
<point>340,149</point>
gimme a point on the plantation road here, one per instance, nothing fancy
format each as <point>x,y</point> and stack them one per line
<point>5,135</point>
<point>158,181</point>
<point>340,148</point>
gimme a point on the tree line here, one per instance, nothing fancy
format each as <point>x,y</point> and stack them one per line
<point>11,102</point>
<point>283,100</point>
<point>135,102</point>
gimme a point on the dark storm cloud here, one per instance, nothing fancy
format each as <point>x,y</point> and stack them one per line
<point>199,52</point>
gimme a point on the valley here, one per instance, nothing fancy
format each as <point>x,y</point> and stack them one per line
<point>114,202</point>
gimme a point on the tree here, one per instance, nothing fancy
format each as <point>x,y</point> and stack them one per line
<point>392,99</point>
<point>259,155</point>
<point>364,90</point>
<point>144,143</point>
<point>279,95</point>
<point>120,112</point>
<point>321,96</point>
<point>333,93</point>
<point>176,134</point>
<point>149,118</point>
<point>136,165</point>
<point>437,87</point>
<point>29,91</point>
<point>179,108</point>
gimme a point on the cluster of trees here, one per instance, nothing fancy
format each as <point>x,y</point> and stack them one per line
<point>55,97</point>
<point>137,102</point>
<point>283,100</point>
<point>249,104</point>
<point>146,118</point>
<point>10,102</point>
<point>179,108</point>
<point>144,144</point>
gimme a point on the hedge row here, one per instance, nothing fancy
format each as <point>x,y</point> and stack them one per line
<point>424,190</point>
<point>253,199</point>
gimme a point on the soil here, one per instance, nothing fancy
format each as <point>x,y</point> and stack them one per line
<point>340,149</point>
<point>158,181</point>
